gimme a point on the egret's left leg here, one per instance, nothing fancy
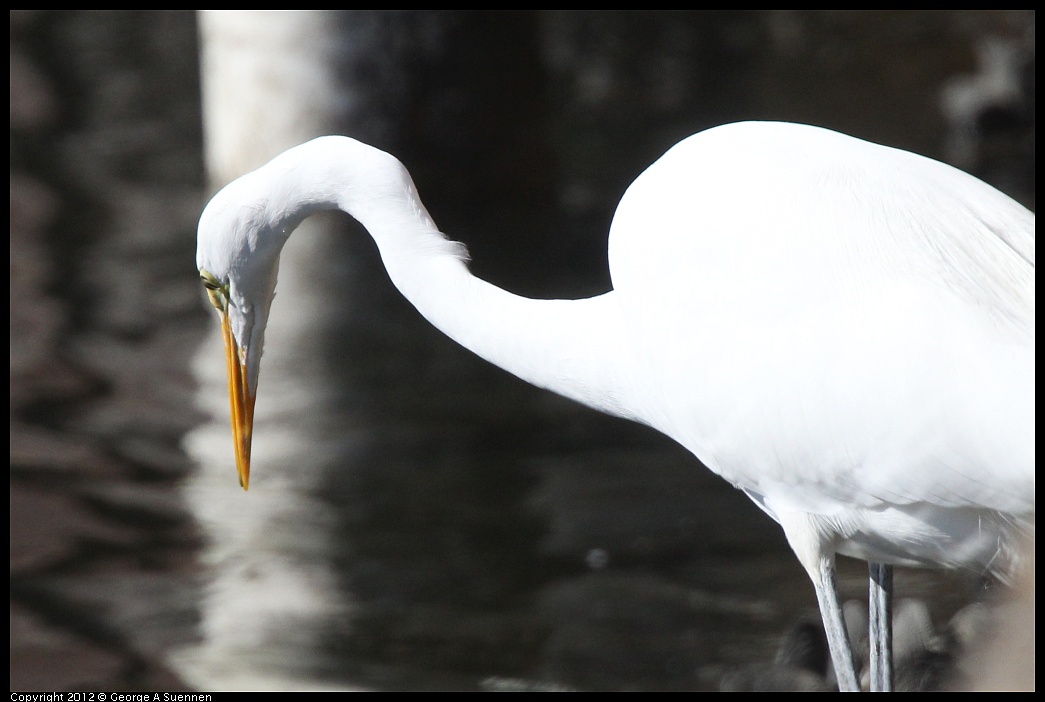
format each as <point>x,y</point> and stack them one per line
<point>812,542</point>
<point>826,585</point>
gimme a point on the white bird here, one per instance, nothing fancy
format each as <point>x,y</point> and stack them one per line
<point>842,330</point>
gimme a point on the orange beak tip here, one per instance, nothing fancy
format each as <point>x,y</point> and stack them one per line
<point>241,402</point>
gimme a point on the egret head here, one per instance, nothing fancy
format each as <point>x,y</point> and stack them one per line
<point>238,241</point>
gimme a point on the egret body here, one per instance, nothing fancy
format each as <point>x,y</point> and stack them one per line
<point>842,330</point>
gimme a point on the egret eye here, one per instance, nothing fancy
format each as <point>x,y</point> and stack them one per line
<point>218,293</point>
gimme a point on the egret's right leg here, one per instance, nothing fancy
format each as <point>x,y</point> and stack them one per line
<point>880,626</point>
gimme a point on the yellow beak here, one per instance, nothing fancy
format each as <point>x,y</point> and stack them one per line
<point>240,399</point>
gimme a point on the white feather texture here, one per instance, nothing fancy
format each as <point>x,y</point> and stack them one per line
<point>844,331</point>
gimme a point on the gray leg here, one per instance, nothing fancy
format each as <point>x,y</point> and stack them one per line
<point>880,625</point>
<point>834,626</point>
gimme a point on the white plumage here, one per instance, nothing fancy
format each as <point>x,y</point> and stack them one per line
<point>843,330</point>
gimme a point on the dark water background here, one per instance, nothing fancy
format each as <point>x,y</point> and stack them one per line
<point>418,519</point>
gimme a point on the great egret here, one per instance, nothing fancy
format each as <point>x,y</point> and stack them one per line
<point>842,330</point>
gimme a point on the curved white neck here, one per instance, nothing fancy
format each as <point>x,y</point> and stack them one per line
<point>566,346</point>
